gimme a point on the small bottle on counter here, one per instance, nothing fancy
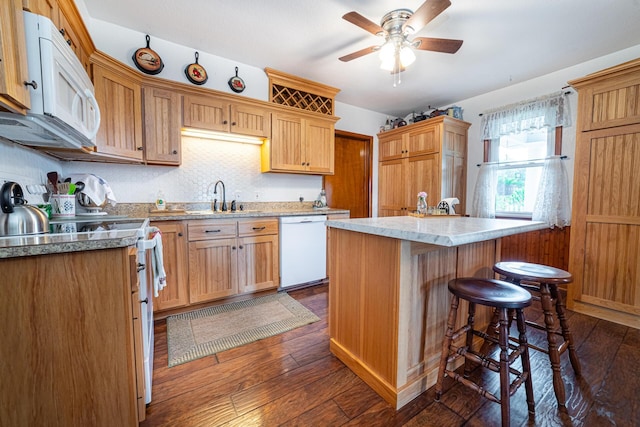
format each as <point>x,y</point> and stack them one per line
<point>161,203</point>
<point>323,198</point>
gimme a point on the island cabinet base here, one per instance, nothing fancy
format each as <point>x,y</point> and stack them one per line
<point>388,306</point>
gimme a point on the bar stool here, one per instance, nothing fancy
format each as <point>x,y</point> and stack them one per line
<point>544,280</point>
<point>502,296</point>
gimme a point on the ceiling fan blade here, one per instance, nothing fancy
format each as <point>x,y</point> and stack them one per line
<point>437,45</point>
<point>426,13</point>
<point>356,19</point>
<point>359,53</point>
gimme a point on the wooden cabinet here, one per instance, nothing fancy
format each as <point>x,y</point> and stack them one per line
<point>14,95</point>
<point>119,95</point>
<point>73,358</point>
<point>48,8</point>
<point>65,16</point>
<point>174,251</point>
<point>162,124</point>
<point>222,115</point>
<point>299,144</point>
<point>228,257</point>
<point>426,156</point>
<point>605,224</point>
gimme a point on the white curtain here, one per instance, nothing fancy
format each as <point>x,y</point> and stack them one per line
<point>552,203</point>
<point>484,194</point>
<point>549,111</point>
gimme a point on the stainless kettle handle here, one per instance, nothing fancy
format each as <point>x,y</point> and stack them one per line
<point>10,190</point>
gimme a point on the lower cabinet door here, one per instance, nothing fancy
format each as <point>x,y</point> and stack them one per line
<point>174,253</point>
<point>212,267</point>
<point>258,266</point>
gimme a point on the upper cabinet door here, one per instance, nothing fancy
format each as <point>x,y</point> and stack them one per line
<point>14,94</point>
<point>250,120</point>
<point>390,146</point>
<point>286,151</point>
<point>120,101</point>
<point>320,146</point>
<point>208,113</point>
<point>423,141</point>
<point>162,140</point>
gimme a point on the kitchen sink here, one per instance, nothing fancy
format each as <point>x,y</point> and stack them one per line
<point>210,212</point>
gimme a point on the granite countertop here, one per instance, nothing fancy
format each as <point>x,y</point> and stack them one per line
<point>41,244</point>
<point>441,230</point>
<point>250,213</point>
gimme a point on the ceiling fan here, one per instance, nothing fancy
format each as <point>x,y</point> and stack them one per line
<point>395,27</point>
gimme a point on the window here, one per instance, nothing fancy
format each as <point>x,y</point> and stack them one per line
<point>518,138</point>
<point>520,158</point>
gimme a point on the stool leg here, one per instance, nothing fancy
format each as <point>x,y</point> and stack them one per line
<point>526,365</point>
<point>554,355</point>
<point>566,332</point>
<point>504,367</point>
<point>446,343</point>
<point>468,366</point>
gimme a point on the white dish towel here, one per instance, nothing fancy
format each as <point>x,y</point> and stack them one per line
<point>157,264</point>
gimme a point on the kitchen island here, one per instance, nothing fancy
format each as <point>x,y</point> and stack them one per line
<point>388,295</point>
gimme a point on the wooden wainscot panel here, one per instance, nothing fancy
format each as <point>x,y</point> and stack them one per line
<point>547,247</point>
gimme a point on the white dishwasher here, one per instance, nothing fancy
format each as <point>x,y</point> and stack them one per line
<point>303,249</point>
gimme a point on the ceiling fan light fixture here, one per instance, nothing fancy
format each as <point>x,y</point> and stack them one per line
<point>387,52</point>
<point>407,56</point>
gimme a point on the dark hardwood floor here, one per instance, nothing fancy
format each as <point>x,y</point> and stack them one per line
<point>293,380</point>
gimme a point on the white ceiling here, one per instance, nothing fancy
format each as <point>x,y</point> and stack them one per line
<point>505,41</point>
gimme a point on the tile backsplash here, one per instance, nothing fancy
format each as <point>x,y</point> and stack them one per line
<point>203,163</point>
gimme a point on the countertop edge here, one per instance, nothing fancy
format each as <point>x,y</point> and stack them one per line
<point>244,214</point>
<point>406,230</point>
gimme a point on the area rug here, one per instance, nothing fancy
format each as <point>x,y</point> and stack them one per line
<point>211,330</point>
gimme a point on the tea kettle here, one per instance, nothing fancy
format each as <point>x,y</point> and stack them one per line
<point>17,217</point>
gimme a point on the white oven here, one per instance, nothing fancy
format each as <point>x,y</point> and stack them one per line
<point>147,244</point>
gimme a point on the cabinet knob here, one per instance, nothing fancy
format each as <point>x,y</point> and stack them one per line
<point>241,246</point>
<point>174,152</point>
<point>233,248</point>
<point>69,42</point>
<point>302,163</point>
<point>179,234</point>
<point>307,163</point>
<point>32,83</point>
<point>140,148</point>
<point>233,123</point>
<point>224,122</point>
<point>145,301</point>
<point>62,31</point>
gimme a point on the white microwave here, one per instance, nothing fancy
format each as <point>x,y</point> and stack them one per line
<point>64,112</point>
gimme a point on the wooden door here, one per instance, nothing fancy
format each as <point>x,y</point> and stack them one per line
<point>286,152</point>
<point>14,95</point>
<point>174,251</point>
<point>392,192</point>
<point>120,101</point>
<point>350,185</point>
<point>212,269</point>
<point>258,267</point>
<point>209,113</point>
<point>162,122</point>
<point>319,146</point>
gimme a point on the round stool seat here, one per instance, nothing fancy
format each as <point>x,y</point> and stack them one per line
<point>490,292</point>
<point>532,272</point>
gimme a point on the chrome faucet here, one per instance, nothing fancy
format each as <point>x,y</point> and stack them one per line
<point>215,201</point>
